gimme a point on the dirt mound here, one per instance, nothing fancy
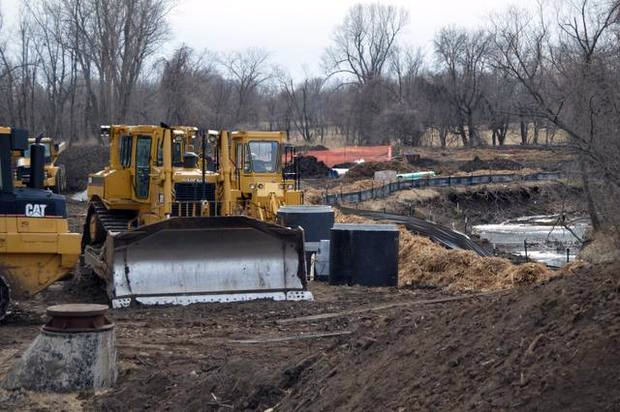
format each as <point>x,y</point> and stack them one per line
<point>492,164</point>
<point>79,161</point>
<point>310,167</point>
<point>367,169</point>
<point>543,347</point>
<point>421,162</point>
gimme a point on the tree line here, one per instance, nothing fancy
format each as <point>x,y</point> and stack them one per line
<point>72,65</point>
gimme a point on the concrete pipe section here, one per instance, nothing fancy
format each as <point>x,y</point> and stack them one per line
<point>75,351</point>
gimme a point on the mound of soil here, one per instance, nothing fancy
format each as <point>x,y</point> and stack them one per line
<point>367,169</point>
<point>310,167</point>
<point>543,347</point>
<point>80,161</point>
<point>423,162</point>
<point>493,164</point>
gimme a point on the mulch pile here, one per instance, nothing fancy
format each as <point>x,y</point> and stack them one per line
<point>422,263</point>
<point>80,161</point>
<point>493,164</point>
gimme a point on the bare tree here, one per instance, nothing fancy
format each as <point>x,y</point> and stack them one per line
<point>112,41</point>
<point>499,98</point>
<point>248,69</point>
<point>185,80</point>
<point>47,29</point>
<point>571,76</point>
<point>305,102</point>
<point>362,44</point>
<point>361,50</point>
<point>463,56</point>
<point>405,66</point>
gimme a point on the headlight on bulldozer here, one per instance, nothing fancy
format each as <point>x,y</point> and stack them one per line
<point>252,186</point>
<point>261,186</point>
<point>290,186</point>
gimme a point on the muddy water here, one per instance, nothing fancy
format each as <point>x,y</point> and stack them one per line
<point>547,240</point>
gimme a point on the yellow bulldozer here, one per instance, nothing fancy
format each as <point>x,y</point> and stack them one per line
<point>36,248</point>
<point>163,227</point>
<point>54,178</point>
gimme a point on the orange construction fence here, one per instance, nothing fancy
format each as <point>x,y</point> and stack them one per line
<point>352,154</point>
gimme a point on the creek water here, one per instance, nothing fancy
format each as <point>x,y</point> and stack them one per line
<point>547,238</point>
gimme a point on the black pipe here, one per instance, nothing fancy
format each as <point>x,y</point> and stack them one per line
<point>37,166</point>
<point>204,163</point>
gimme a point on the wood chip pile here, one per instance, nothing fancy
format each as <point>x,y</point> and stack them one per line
<point>423,263</point>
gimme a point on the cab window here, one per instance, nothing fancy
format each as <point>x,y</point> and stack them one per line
<point>177,155</point>
<point>125,151</point>
<point>262,157</point>
<point>239,155</point>
<point>48,152</point>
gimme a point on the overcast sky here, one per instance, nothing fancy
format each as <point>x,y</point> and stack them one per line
<point>296,32</point>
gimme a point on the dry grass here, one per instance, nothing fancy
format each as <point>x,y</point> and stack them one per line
<point>604,248</point>
<point>422,262</point>
<point>513,137</point>
<point>523,172</point>
<point>431,138</point>
<point>518,154</point>
<point>402,198</point>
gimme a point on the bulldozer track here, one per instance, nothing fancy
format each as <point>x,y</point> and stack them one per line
<point>112,221</point>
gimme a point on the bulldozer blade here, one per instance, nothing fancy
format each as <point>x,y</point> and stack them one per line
<point>205,259</point>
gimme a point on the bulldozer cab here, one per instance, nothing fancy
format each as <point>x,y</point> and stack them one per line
<point>153,174</point>
<point>260,159</point>
<point>257,154</point>
<point>138,152</point>
<point>54,175</point>
<point>131,157</point>
<point>261,175</point>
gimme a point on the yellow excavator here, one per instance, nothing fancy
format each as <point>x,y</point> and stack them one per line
<point>162,228</point>
<point>54,178</point>
<point>36,248</point>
